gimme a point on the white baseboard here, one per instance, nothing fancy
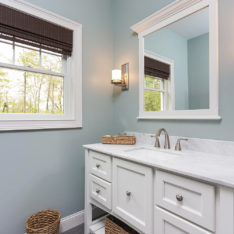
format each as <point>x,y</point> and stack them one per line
<point>71,221</point>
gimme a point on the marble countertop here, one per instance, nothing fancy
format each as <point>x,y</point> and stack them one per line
<point>213,168</point>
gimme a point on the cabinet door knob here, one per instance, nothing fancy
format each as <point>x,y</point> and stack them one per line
<point>128,193</point>
<point>98,191</point>
<point>179,197</point>
<point>98,165</point>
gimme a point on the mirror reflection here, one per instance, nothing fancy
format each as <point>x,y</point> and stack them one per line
<point>177,65</point>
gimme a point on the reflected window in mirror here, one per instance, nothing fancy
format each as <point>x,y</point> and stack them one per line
<point>158,80</point>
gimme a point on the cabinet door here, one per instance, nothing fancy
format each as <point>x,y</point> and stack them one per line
<point>132,194</point>
<point>167,223</point>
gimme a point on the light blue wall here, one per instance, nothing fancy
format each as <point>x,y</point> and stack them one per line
<point>198,72</point>
<point>129,12</point>
<point>171,45</point>
<point>45,169</point>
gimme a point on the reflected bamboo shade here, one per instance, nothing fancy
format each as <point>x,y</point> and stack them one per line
<point>156,68</point>
<point>23,28</point>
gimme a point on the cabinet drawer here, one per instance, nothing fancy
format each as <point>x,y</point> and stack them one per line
<point>167,223</point>
<point>188,198</point>
<point>132,194</point>
<point>100,191</point>
<point>100,165</point>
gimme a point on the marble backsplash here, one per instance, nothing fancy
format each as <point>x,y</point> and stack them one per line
<point>193,144</point>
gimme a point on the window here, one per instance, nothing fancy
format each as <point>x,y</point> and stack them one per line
<point>31,79</point>
<point>39,85</point>
<point>155,94</point>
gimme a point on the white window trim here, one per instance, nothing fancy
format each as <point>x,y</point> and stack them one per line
<point>75,119</point>
<point>171,81</point>
<point>172,13</point>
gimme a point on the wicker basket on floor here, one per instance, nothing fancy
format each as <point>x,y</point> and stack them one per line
<point>43,222</point>
<point>115,226</point>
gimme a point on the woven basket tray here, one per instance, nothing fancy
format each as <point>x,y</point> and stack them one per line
<point>115,226</point>
<point>119,140</point>
<point>43,222</point>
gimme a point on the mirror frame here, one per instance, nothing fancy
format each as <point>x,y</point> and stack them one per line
<point>160,19</point>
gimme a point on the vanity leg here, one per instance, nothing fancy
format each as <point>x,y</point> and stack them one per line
<point>224,210</point>
<point>88,206</point>
<point>88,218</point>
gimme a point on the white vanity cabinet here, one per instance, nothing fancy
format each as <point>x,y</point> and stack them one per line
<point>155,201</point>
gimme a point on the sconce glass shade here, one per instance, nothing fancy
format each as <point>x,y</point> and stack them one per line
<point>116,76</point>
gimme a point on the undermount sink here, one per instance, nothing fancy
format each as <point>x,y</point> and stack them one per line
<point>152,151</point>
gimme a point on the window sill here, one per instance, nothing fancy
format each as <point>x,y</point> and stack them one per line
<point>38,125</point>
<point>188,117</point>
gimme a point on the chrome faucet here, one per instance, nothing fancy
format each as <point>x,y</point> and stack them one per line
<point>167,140</point>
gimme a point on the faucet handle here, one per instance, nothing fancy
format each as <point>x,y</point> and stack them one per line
<point>157,142</point>
<point>178,145</point>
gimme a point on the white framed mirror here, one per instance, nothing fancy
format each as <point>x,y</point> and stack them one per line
<point>178,61</point>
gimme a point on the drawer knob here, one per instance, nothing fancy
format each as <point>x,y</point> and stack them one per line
<point>98,191</point>
<point>98,165</point>
<point>128,193</point>
<point>179,198</point>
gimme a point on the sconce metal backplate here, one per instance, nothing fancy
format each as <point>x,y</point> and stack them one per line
<point>125,76</point>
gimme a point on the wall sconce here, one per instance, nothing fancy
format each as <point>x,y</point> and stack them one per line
<point>120,77</point>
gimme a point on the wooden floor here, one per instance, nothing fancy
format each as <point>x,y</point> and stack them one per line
<point>76,230</point>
